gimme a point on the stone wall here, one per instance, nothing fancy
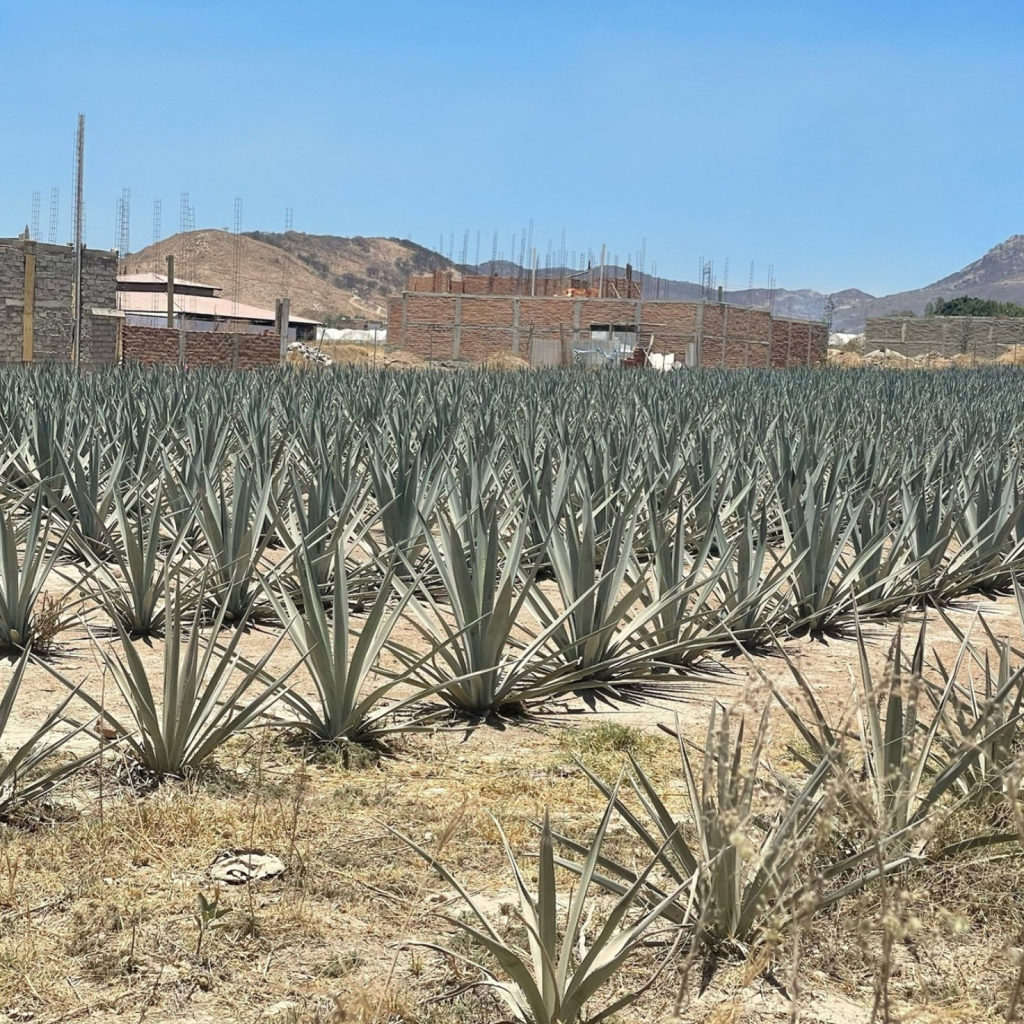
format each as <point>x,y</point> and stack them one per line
<point>41,329</point>
<point>544,330</point>
<point>981,338</point>
<point>162,346</point>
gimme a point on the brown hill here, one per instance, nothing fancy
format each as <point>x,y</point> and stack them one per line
<point>324,276</point>
<point>999,274</point>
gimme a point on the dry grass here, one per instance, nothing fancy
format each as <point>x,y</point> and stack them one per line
<point>504,361</point>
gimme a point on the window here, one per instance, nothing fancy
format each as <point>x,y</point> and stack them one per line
<point>614,339</point>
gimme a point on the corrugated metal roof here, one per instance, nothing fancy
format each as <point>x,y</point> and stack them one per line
<point>141,303</point>
<point>162,279</point>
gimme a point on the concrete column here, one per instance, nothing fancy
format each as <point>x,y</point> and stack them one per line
<point>789,343</point>
<point>577,316</point>
<point>698,333</point>
<point>286,308</point>
<point>28,310</point>
<point>181,342</point>
<point>457,330</point>
<point>516,305</point>
<point>404,332</point>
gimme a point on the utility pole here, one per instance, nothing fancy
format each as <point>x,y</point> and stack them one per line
<point>76,334</point>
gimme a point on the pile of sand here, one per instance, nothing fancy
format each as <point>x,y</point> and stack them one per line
<point>845,360</point>
<point>1012,357</point>
<point>504,361</point>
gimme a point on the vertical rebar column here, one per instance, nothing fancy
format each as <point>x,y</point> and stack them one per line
<point>76,332</point>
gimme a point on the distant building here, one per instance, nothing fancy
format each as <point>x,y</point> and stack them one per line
<point>591,319</point>
<point>143,300</point>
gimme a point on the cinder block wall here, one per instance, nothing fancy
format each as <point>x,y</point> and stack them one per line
<point>979,337</point>
<point>156,346</point>
<point>51,302</point>
<point>538,329</point>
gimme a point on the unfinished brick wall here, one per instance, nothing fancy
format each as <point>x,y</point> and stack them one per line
<point>449,282</point>
<point>161,346</point>
<point>542,330</point>
<point>36,295</point>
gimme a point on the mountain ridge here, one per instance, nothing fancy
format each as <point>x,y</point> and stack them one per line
<point>332,276</point>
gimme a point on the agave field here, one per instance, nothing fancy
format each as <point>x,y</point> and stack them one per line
<point>433,552</point>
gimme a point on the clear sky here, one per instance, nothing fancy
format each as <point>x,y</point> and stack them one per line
<point>863,143</point>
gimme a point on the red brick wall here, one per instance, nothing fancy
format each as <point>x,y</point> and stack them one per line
<point>446,282</point>
<point>733,337</point>
<point>159,346</point>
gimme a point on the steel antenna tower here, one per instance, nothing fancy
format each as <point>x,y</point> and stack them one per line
<point>54,215</point>
<point>477,261</point>
<point>158,214</point>
<point>34,230</point>
<point>494,253</point>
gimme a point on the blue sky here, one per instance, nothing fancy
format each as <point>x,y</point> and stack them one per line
<point>858,144</point>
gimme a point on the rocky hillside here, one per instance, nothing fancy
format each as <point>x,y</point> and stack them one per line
<point>323,275</point>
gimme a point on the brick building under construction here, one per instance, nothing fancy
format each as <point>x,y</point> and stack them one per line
<point>550,321</point>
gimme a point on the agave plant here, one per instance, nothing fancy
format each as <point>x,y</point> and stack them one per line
<point>30,773</point>
<point>173,723</point>
<point>145,550</point>
<point>905,764</point>
<point>740,867</point>
<point>473,664</point>
<point>558,977</point>
<point>27,557</point>
<point>350,707</point>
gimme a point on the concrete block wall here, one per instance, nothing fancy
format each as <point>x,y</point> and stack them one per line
<point>538,329</point>
<point>980,337</point>
<point>51,303</point>
<point>160,346</point>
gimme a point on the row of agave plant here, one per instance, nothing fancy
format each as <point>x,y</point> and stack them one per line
<point>544,534</point>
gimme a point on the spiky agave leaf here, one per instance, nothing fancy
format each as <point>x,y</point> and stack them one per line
<point>349,707</point>
<point>556,976</point>
<point>177,721</point>
<point>23,777</point>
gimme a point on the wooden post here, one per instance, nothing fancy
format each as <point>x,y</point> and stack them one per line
<point>28,312</point>
<point>285,316</point>
<point>170,292</point>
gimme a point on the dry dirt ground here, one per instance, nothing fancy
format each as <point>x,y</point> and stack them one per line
<point>98,893</point>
